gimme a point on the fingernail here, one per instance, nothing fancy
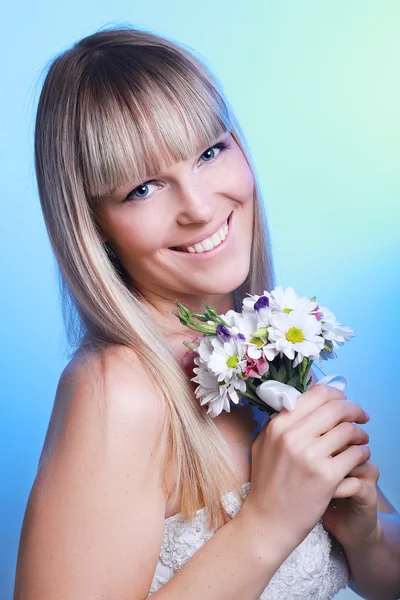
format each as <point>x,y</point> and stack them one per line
<point>367,415</point>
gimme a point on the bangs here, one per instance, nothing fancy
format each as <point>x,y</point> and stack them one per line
<point>141,110</point>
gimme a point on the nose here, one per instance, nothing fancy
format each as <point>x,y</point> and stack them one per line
<point>195,205</point>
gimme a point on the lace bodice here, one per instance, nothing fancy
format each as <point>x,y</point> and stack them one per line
<point>316,570</point>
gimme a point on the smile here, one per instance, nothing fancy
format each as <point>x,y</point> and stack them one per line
<point>208,245</point>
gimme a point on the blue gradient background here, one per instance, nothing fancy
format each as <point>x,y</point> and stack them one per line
<point>316,89</point>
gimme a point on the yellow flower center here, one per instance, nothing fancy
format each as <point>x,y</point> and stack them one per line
<point>232,362</point>
<point>288,310</point>
<point>256,341</point>
<point>294,335</point>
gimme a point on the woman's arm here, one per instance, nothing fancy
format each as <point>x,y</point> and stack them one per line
<point>95,517</point>
<point>375,566</point>
<point>237,562</point>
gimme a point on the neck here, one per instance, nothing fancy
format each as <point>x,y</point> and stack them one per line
<point>162,307</point>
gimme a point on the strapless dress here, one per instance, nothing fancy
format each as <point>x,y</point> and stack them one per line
<point>316,570</point>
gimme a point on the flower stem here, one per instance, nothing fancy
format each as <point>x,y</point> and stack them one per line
<point>250,396</point>
<point>258,403</point>
<point>251,385</point>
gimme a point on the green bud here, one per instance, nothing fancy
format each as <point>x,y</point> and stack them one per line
<point>207,329</point>
<point>200,317</point>
<point>211,313</point>
<point>260,333</point>
<point>181,319</point>
<point>185,312</point>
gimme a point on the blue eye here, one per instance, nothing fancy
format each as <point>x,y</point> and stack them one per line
<point>141,189</point>
<point>221,146</point>
<point>143,186</point>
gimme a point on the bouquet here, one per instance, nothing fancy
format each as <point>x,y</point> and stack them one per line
<point>263,353</point>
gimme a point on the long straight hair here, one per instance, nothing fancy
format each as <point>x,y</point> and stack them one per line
<point>118,106</point>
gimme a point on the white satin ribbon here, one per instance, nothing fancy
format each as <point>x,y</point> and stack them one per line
<point>280,395</point>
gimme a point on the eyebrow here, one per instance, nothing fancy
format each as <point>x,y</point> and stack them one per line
<point>149,177</point>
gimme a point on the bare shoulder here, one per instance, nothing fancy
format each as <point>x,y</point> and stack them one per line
<point>122,370</point>
<point>107,390</point>
<point>95,515</point>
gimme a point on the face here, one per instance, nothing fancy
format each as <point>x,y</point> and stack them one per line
<point>168,231</point>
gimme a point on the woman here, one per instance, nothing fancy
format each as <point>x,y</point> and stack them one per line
<point>149,196</point>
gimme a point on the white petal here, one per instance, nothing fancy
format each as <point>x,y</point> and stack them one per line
<point>254,351</point>
<point>297,360</point>
<point>270,352</point>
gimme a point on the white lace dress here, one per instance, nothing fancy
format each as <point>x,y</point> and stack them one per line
<point>316,570</point>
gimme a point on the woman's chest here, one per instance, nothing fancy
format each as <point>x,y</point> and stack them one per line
<point>239,428</point>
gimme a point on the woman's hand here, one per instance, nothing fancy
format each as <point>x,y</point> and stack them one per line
<point>300,458</point>
<point>355,521</point>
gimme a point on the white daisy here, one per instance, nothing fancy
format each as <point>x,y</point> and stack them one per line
<point>228,359</point>
<point>280,300</point>
<point>288,300</point>
<point>296,334</point>
<point>332,330</point>
<point>212,392</point>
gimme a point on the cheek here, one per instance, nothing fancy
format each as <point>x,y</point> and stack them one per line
<point>241,181</point>
<point>141,233</point>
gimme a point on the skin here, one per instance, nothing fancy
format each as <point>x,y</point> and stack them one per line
<point>190,199</point>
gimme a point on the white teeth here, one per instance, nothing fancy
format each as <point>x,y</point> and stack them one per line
<point>216,239</point>
<point>210,242</point>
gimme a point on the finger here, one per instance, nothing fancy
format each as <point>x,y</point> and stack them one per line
<point>336,440</point>
<point>367,471</point>
<point>309,401</point>
<point>353,487</point>
<point>330,414</point>
<point>342,464</point>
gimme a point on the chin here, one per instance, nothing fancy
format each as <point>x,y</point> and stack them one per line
<point>224,282</point>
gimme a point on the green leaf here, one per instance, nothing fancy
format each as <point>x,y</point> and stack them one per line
<point>278,374</point>
<point>294,381</point>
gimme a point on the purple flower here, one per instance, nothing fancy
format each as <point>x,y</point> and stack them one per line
<point>262,302</point>
<point>241,337</point>
<point>223,333</point>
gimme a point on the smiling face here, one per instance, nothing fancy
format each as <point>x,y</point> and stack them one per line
<point>157,227</point>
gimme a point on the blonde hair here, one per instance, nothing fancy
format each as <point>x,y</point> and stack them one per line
<point>119,105</point>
